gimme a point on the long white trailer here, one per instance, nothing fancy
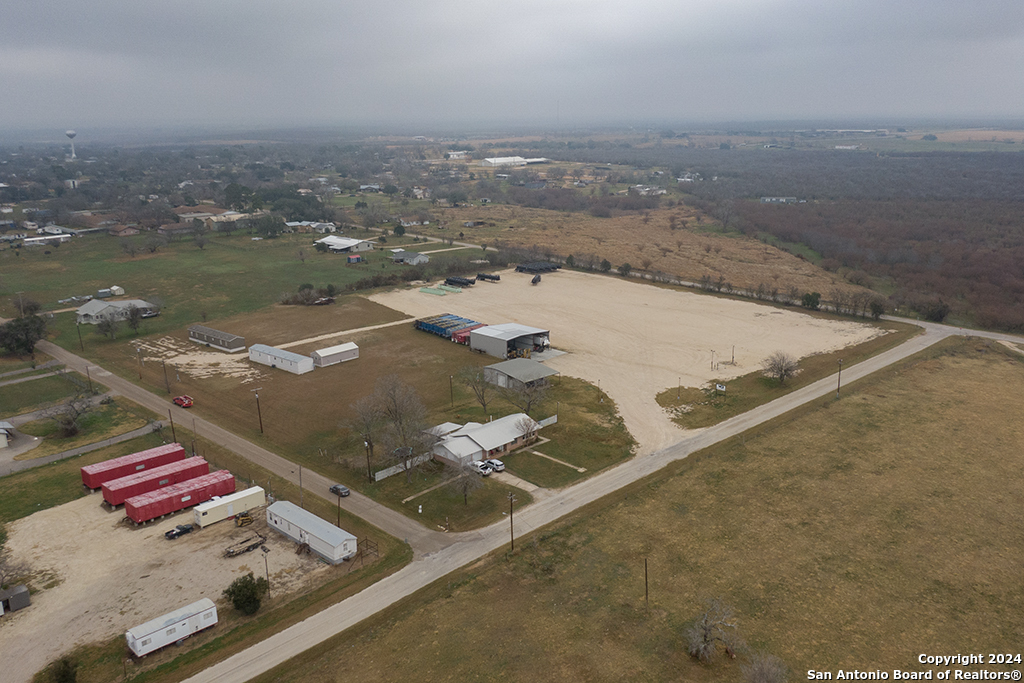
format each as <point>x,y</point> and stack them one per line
<point>171,627</point>
<point>219,509</point>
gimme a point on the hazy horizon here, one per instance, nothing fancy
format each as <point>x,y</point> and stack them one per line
<point>259,65</point>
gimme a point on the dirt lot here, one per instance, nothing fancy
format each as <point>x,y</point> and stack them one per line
<point>636,340</point>
<point>112,576</point>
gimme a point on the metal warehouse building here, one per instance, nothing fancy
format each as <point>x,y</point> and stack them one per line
<point>517,373</point>
<point>335,354</point>
<point>279,358</point>
<point>224,341</point>
<point>508,340</point>
<point>325,539</point>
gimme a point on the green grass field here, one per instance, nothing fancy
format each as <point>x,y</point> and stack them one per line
<point>24,397</point>
<point>850,534</point>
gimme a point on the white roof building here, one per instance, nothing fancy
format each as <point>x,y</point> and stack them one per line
<point>504,161</point>
<point>340,245</point>
<point>97,310</point>
<point>279,358</point>
<point>500,340</point>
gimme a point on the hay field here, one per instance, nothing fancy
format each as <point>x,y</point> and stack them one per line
<point>856,534</point>
<point>635,340</point>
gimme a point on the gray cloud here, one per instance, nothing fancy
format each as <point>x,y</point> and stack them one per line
<point>110,62</point>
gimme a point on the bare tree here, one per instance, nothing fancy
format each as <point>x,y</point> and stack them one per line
<point>780,366</point>
<point>764,668</point>
<point>134,318</point>
<point>525,396</point>
<point>474,379</point>
<point>129,247</point>
<point>367,424</point>
<point>403,431</point>
<point>715,628</point>
<point>108,327</point>
<point>463,479</point>
<point>10,568</point>
<point>528,427</point>
<point>68,415</point>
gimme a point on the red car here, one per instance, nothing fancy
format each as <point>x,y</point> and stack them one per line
<point>183,401</point>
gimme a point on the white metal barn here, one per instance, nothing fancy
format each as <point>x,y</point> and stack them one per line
<point>218,509</point>
<point>507,339</point>
<point>335,354</point>
<point>279,358</point>
<point>171,627</point>
<point>325,539</point>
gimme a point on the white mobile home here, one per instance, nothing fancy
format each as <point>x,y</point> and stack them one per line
<point>171,627</point>
<point>218,509</point>
<point>335,354</point>
<point>279,358</point>
<point>325,539</point>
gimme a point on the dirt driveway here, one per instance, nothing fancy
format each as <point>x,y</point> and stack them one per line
<point>111,576</point>
<point>637,340</point>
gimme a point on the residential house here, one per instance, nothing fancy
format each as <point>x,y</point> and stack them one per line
<point>344,245</point>
<point>409,258</point>
<point>96,311</point>
<point>476,441</point>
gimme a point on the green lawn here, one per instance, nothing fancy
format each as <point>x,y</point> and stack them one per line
<point>112,419</point>
<point>24,397</point>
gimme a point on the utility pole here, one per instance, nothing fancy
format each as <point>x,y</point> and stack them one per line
<point>138,357</point>
<point>166,382</point>
<point>89,377</point>
<point>81,346</point>
<point>369,474</point>
<point>839,381</point>
<point>173,435</point>
<point>451,388</point>
<point>511,531</point>
<point>258,412</point>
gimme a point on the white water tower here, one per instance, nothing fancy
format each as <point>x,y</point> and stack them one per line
<point>71,136</point>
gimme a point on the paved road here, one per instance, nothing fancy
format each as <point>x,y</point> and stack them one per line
<point>467,547</point>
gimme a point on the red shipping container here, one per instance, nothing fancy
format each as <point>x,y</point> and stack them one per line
<point>119,490</point>
<point>462,336</point>
<point>94,476</point>
<point>179,496</point>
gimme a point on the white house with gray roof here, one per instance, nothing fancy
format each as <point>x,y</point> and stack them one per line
<point>476,441</point>
<point>96,311</point>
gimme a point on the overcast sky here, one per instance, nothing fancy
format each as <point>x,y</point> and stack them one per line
<point>242,63</point>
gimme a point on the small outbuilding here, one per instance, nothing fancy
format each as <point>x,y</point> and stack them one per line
<point>335,354</point>
<point>409,258</point>
<point>508,340</point>
<point>279,358</point>
<point>6,434</point>
<point>223,507</point>
<point>14,599</point>
<point>223,341</point>
<point>328,541</point>
<point>517,373</point>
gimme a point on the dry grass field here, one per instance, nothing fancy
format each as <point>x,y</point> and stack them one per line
<point>650,244</point>
<point>854,534</point>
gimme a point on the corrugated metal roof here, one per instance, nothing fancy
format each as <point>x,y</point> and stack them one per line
<point>310,523</point>
<point>493,434</point>
<point>523,369</point>
<point>226,337</point>
<point>508,331</point>
<point>347,346</point>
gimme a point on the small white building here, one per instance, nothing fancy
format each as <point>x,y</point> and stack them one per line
<point>326,540</point>
<point>504,161</point>
<point>335,354</point>
<point>171,627</point>
<point>279,358</point>
<point>6,434</point>
<point>409,258</point>
<point>223,507</point>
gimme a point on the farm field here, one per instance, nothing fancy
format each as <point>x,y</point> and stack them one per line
<point>697,246</point>
<point>633,340</point>
<point>852,534</point>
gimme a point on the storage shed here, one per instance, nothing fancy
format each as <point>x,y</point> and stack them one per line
<point>14,599</point>
<point>118,491</point>
<point>179,496</point>
<point>219,509</point>
<point>279,358</point>
<point>224,341</point>
<point>335,354</point>
<point>517,373</point>
<point>94,476</point>
<point>171,627</point>
<point>326,540</point>
<point>508,340</point>
<point>6,434</point>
